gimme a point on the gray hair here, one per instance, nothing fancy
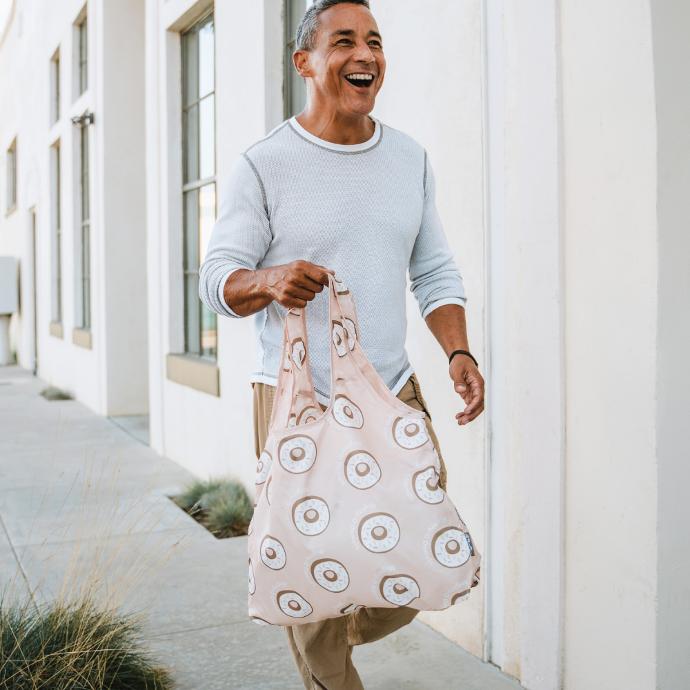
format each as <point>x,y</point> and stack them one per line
<point>308,27</point>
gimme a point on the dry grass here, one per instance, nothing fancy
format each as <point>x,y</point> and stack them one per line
<point>77,646</point>
<point>70,632</point>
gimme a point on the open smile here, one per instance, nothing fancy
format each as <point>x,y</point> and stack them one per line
<point>361,81</point>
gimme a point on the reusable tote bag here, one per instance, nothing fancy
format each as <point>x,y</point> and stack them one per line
<point>349,511</point>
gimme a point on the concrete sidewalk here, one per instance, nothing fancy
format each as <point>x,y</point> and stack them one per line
<point>84,505</point>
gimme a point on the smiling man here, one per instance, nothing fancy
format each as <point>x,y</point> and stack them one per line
<point>335,190</point>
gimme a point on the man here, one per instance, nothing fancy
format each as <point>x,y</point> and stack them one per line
<point>334,190</point>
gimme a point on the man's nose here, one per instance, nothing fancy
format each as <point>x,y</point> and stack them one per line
<point>363,53</point>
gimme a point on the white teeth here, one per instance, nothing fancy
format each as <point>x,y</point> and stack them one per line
<point>361,76</point>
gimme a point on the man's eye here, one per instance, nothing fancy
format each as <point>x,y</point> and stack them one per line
<point>376,44</point>
<point>343,40</point>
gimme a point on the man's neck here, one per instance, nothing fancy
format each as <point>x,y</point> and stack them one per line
<point>337,129</point>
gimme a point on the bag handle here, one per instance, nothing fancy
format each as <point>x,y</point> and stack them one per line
<point>295,396</point>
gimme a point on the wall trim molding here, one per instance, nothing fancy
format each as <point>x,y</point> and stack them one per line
<point>82,338</point>
<point>193,372</point>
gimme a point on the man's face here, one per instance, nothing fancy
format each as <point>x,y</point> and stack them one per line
<point>348,43</point>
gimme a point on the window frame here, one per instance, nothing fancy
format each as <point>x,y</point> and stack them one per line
<point>55,87</point>
<point>80,53</point>
<point>11,177</point>
<point>199,324</point>
<point>56,230</point>
<point>294,86</point>
<point>83,228</point>
<point>82,63</point>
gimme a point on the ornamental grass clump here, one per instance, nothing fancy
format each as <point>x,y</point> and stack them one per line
<point>74,646</point>
<point>221,505</point>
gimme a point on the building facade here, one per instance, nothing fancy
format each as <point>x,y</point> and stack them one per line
<point>559,142</point>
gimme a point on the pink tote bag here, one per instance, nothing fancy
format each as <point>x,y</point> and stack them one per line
<point>349,511</point>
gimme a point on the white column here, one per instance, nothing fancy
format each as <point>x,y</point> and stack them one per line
<point>670,26</point>
<point>526,383</point>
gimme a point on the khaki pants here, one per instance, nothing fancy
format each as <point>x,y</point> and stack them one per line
<point>323,650</point>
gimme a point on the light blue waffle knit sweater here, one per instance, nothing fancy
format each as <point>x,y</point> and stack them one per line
<point>366,211</point>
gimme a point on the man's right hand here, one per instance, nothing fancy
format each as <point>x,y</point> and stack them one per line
<point>296,283</point>
<point>291,285</point>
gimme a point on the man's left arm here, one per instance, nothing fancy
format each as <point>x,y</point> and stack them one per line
<point>439,290</point>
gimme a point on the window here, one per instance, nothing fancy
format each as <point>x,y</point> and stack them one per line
<point>82,54</point>
<point>11,161</point>
<point>55,87</point>
<point>198,178</point>
<point>56,244</point>
<point>294,88</point>
<point>84,230</point>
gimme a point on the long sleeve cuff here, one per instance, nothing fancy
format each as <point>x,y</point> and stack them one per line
<point>221,297</point>
<point>461,301</point>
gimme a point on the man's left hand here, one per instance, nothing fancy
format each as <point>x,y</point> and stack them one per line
<point>469,383</point>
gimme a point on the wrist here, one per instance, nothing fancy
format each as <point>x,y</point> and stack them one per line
<point>263,283</point>
<point>461,352</point>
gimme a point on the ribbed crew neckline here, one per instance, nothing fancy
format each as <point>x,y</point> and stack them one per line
<point>346,148</point>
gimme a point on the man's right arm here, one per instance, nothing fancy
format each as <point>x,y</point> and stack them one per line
<point>230,283</point>
<point>240,237</point>
<point>292,285</point>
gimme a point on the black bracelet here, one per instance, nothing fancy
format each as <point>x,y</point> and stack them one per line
<point>462,352</point>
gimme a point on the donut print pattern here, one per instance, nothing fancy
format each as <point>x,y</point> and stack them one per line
<point>298,352</point>
<point>346,413</point>
<point>308,414</point>
<point>361,469</point>
<point>379,532</point>
<point>263,467</point>
<point>297,453</point>
<point>310,515</point>
<point>273,553</point>
<point>399,589</point>
<point>437,459</point>
<point>330,574</point>
<point>459,596</point>
<point>476,577</point>
<point>350,332</point>
<point>410,432</point>
<point>425,485</point>
<point>293,604</point>
<point>340,338</point>
<point>451,547</point>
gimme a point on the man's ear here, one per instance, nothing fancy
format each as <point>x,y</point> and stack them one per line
<point>300,59</point>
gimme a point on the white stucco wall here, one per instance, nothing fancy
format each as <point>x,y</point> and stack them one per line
<point>609,131</point>
<point>525,303</point>
<point>111,377</point>
<point>124,207</point>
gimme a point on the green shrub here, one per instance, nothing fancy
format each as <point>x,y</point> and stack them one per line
<point>229,510</point>
<point>189,499</point>
<point>74,646</point>
<point>221,505</point>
